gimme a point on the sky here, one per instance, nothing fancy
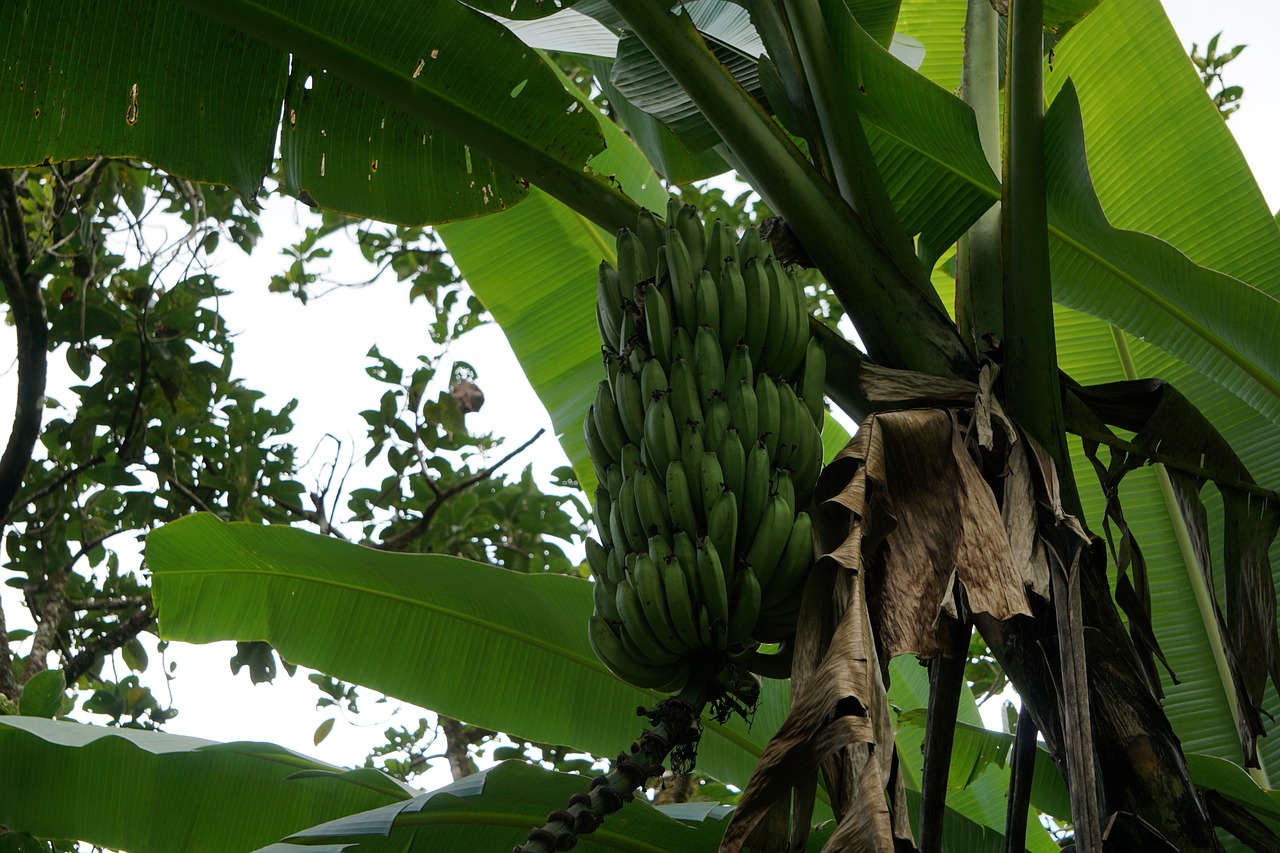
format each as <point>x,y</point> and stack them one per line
<point>317,353</point>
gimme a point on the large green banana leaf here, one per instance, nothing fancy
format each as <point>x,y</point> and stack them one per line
<point>147,791</point>
<point>172,96</point>
<point>1163,162</point>
<point>1200,196</point>
<point>494,810</point>
<point>500,649</point>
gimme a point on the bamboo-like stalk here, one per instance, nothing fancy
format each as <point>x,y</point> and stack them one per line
<point>979,276</point>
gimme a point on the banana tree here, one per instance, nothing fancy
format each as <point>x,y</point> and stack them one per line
<point>1116,287</point>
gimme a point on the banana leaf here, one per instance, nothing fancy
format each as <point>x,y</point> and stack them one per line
<point>149,791</point>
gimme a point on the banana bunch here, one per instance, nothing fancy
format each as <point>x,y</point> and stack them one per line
<point>706,442</point>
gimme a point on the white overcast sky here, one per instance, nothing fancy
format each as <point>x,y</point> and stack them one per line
<point>317,354</point>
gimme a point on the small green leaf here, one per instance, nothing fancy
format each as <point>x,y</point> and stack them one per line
<point>42,695</point>
<point>322,731</point>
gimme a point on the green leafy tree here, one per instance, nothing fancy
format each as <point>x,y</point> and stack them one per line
<point>1065,328</point>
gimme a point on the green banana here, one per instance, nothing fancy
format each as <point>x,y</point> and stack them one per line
<point>739,368</point>
<point>673,210</point>
<point>597,559</point>
<point>614,568</point>
<point>782,486</point>
<point>707,298</point>
<point>712,486</point>
<point>798,337</point>
<point>658,323</point>
<point>637,626</point>
<point>759,305</point>
<point>722,529</point>
<point>647,581</point>
<point>608,423</point>
<point>651,507</point>
<point>689,225</point>
<point>687,556</point>
<point>630,460</point>
<point>595,444</point>
<point>746,606</point>
<point>679,604</point>
<point>769,540</point>
<point>755,492</point>
<point>629,511</point>
<point>733,459</point>
<point>686,403</point>
<point>603,504</point>
<point>718,418</point>
<point>776,341</point>
<point>653,380</point>
<point>708,362</point>
<point>635,262</point>
<point>613,478</point>
<point>608,306</point>
<point>605,604</point>
<point>682,345</point>
<point>704,627</point>
<point>767,411</point>
<point>750,245</point>
<point>683,280</point>
<point>680,499</point>
<point>795,562</point>
<point>611,652</point>
<point>649,228</point>
<point>627,395</point>
<point>716,237</point>
<point>659,550</point>
<point>812,381</point>
<point>744,411</point>
<point>712,583</point>
<point>733,306</point>
<point>806,462</point>
<point>691,450</point>
<point>661,438</point>
<point>792,416</point>
<point>617,530</point>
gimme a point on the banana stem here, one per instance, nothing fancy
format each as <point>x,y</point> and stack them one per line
<point>673,724</point>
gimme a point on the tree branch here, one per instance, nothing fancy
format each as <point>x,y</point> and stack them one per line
<point>127,602</point>
<point>47,629</point>
<point>22,287</point>
<point>56,484</point>
<point>420,527</point>
<point>107,643</point>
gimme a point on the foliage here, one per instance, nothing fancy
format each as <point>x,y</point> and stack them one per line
<point>1210,64</point>
<point>1161,266</point>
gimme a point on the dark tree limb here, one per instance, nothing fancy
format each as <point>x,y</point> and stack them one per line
<point>1021,772</point>
<point>107,643</point>
<point>22,288</point>
<point>946,681</point>
<point>418,528</point>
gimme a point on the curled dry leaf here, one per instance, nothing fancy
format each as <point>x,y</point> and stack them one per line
<point>908,532</point>
<point>1168,428</point>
